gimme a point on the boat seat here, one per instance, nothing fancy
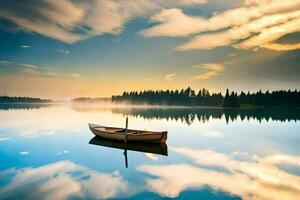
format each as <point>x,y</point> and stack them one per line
<point>120,130</point>
<point>123,131</point>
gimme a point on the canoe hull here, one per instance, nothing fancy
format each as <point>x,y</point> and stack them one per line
<point>151,137</point>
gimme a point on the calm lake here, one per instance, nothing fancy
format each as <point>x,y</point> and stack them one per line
<point>48,152</point>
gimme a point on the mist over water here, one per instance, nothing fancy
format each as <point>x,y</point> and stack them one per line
<point>47,151</point>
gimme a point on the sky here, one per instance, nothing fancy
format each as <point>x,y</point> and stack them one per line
<point>70,48</point>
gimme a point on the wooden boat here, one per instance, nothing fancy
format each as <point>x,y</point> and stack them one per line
<point>159,148</point>
<point>123,134</point>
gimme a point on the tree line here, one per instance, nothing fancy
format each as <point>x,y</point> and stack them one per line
<point>9,99</point>
<point>91,100</point>
<point>189,97</point>
<point>171,97</point>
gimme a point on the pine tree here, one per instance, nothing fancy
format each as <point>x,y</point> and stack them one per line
<point>226,99</point>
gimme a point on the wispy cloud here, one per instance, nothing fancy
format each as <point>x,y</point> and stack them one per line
<point>25,68</point>
<point>212,69</point>
<point>63,51</point>
<point>76,75</point>
<point>5,62</point>
<point>37,70</point>
<point>25,46</point>
<point>255,24</point>
<point>169,77</point>
<point>34,70</point>
<point>71,21</point>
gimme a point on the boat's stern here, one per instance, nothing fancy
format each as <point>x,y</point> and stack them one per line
<point>164,136</point>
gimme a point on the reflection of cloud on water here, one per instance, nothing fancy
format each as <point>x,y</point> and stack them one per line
<point>35,132</point>
<point>239,153</point>
<point>211,133</point>
<point>50,120</point>
<point>24,153</point>
<point>64,152</point>
<point>3,138</point>
<point>62,180</point>
<point>258,178</point>
<point>280,159</point>
<point>151,156</point>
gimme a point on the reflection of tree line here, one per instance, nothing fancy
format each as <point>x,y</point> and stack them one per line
<point>188,115</point>
<point>28,106</point>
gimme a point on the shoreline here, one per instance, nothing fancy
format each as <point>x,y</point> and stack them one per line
<point>142,106</point>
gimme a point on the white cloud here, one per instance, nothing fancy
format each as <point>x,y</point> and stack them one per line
<point>55,181</point>
<point>169,77</point>
<point>214,69</point>
<point>282,47</point>
<point>259,23</point>
<point>47,18</point>
<point>174,23</point>
<point>71,21</point>
<point>269,35</point>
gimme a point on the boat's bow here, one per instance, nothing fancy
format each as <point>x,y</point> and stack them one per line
<point>94,125</point>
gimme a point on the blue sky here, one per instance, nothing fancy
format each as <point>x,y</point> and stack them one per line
<point>103,47</point>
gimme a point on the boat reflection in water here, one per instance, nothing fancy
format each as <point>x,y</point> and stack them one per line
<point>154,148</point>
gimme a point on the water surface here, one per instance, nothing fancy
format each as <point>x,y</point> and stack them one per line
<point>48,152</point>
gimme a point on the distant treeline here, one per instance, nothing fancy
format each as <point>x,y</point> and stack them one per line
<point>11,100</point>
<point>203,97</point>
<point>90,100</point>
<point>171,97</point>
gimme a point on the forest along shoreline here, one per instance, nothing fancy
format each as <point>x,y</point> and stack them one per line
<point>203,98</point>
<point>183,98</point>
